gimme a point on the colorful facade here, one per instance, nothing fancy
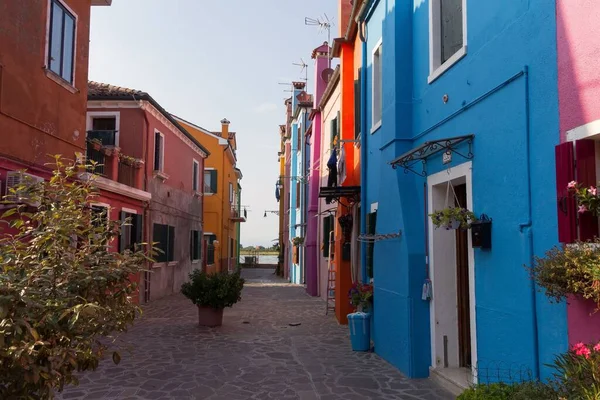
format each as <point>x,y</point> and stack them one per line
<point>492,109</point>
<point>222,196</point>
<point>135,124</point>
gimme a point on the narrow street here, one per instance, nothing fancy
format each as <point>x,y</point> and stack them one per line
<point>275,344</point>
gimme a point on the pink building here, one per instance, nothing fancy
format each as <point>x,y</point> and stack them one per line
<point>579,107</point>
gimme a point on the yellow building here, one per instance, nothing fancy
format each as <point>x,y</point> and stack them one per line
<point>222,213</point>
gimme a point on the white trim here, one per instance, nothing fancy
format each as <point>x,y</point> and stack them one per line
<point>197,183</point>
<point>459,171</point>
<point>100,204</point>
<point>209,234</point>
<point>116,187</point>
<point>201,129</point>
<point>378,49</point>
<point>209,168</point>
<point>67,85</point>
<point>147,106</point>
<point>161,166</point>
<point>449,63</point>
<point>129,210</point>
<point>436,68</point>
<point>89,121</point>
<point>586,131</point>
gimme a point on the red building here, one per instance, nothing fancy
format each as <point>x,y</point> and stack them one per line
<point>44,47</point>
<point>153,171</point>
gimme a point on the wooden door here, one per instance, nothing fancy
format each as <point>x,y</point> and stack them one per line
<point>462,286</point>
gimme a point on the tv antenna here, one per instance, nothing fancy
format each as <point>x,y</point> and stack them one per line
<point>303,66</point>
<point>324,23</point>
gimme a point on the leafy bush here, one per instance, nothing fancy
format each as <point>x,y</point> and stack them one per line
<point>218,290</point>
<point>61,290</point>
<point>516,391</point>
<point>578,372</point>
<point>574,269</point>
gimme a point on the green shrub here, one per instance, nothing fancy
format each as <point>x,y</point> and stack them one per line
<point>218,290</point>
<point>516,391</point>
<point>61,290</point>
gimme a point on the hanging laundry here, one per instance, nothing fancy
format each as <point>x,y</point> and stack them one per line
<point>332,179</point>
<point>277,194</point>
<point>342,166</point>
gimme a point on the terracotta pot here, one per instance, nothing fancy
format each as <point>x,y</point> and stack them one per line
<point>208,316</point>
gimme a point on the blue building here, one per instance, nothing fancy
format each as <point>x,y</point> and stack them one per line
<point>301,105</point>
<point>460,99</point>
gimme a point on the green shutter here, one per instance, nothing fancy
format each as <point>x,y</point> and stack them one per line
<point>122,236</point>
<point>213,180</point>
<point>326,230</point>
<point>334,129</point>
<point>138,229</point>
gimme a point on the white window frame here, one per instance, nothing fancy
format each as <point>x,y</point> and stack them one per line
<point>436,67</point>
<point>231,194</point>
<point>207,169</point>
<point>162,152</point>
<point>195,164</point>
<point>376,74</point>
<point>70,86</point>
<point>89,123</point>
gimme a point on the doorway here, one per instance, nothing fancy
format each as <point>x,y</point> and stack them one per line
<point>452,266</point>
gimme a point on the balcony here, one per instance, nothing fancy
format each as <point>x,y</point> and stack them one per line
<point>106,137</point>
<point>236,215</point>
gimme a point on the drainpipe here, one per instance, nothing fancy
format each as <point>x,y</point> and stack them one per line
<point>363,158</point>
<point>527,226</point>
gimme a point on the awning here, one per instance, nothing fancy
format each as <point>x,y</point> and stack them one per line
<point>420,154</point>
<point>337,192</point>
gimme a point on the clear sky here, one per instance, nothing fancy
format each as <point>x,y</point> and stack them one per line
<point>205,60</point>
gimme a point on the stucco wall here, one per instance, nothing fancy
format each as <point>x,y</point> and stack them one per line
<point>40,116</point>
<point>501,41</point>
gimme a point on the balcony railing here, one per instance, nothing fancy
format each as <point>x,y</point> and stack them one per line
<point>127,174</point>
<point>107,138</point>
<point>97,157</point>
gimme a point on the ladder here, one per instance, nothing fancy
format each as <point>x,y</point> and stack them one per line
<point>330,277</point>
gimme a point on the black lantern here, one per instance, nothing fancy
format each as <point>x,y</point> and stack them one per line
<point>481,233</point>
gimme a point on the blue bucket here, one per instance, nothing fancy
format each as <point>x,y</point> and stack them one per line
<point>360,331</point>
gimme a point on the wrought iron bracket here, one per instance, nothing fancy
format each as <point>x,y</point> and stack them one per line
<point>410,159</point>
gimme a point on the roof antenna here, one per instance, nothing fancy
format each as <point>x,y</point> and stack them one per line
<point>324,23</point>
<point>303,69</point>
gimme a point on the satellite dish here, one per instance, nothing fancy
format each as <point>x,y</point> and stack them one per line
<point>326,74</point>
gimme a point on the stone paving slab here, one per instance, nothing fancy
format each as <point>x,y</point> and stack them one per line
<point>256,354</point>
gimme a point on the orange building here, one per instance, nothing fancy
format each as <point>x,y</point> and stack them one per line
<point>222,196</point>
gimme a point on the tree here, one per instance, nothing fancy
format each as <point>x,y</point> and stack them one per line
<point>62,292</point>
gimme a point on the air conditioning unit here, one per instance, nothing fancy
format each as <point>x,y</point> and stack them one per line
<point>15,179</point>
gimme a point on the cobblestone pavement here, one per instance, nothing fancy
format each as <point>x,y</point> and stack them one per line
<point>256,354</point>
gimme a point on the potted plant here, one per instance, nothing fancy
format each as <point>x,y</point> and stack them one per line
<point>453,218</point>
<point>297,241</point>
<point>96,143</point>
<point>212,293</point>
<point>588,198</point>
<point>359,323</point>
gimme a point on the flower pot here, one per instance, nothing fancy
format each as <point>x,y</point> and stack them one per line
<point>454,225</point>
<point>359,324</point>
<point>208,316</point>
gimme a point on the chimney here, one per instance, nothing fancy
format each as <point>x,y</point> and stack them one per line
<point>225,128</point>
<point>321,57</point>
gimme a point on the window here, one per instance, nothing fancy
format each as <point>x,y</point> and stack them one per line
<point>104,129</point>
<point>164,236</point>
<point>99,219</point>
<point>210,248</point>
<point>377,86</point>
<point>195,175</point>
<point>334,131</point>
<point>357,102</point>
<point>131,234</point>
<point>327,229</point>
<point>159,151</point>
<point>447,31</point>
<point>370,247</point>
<point>195,245</point>
<point>61,34</point>
<point>230,193</point>
<point>210,181</point>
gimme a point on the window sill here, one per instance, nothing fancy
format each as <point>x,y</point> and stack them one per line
<point>58,79</point>
<point>208,194</point>
<point>160,175</point>
<point>376,127</point>
<point>173,263</point>
<point>198,194</point>
<point>195,261</point>
<point>446,66</point>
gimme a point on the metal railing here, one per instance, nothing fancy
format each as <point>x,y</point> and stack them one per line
<point>126,174</point>
<point>107,138</point>
<point>98,157</point>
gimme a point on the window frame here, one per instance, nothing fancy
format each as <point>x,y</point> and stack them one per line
<point>231,194</point>
<point>70,83</point>
<point>161,160</point>
<point>376,55</point>
<point>92,115</point>
<point>196,246</point>
<point>195,170</point>
<point>209,181</point>
<point>169,247</point>
<point>436,67</point>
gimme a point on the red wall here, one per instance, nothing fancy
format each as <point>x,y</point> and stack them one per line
<point>37,115</point>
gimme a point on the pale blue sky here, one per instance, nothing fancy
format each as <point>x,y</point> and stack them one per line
<point>205,60</point>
